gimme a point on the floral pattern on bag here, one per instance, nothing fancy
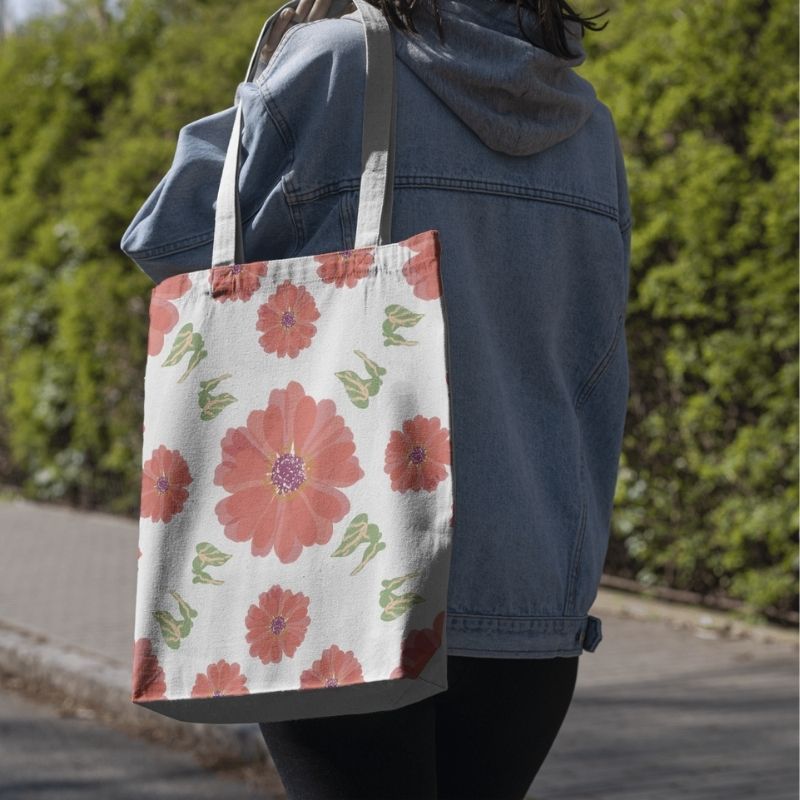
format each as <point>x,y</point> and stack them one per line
<point>416,456</point>
<point>419,647</point>
<point>277,624</point>
<point>345,267</point>
<point>220,679</point>
<point>284,470</point>
<point>334,667</point>
<point>275,453</point>
<point>237,281</point>
<point>286,320</point>
<point>165,476</point>
<point>163,313</point>
<point>422,269</point>
<point>148,676</point>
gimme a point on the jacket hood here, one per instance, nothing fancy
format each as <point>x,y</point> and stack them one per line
<point>517,97</point>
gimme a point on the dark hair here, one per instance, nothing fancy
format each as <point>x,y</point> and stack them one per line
<point>550,13</point>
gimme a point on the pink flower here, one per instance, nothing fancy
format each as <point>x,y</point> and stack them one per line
<point>416,456</point>
<point>422,269</point>
<point>148,678</point>
<point>286,320</point>
<point>278,624</point>
<point>284,471</point>
<point>345,266</point>
<point>333,668</point>
<point>163,314</point>
<point>165,477</point>
<point>220,679</point>
<point>237,281</point>
<point>418,648</point>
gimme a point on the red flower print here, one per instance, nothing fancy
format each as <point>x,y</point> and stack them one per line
<point>345,266</point>
<point>237,281</point>
<point>333,668</point>
<point>163,314</point>
<point>422,269</point>
<point>284,470</point>
<point>418,649</point>
<point>220,679</point>
<point>164,480</point>
<point>148,678</point>
<point>278,624</point>
<point>286,320</point>
<point>415,456</point>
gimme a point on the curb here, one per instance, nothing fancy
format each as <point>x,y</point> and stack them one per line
<point>88,681</point>
<point>706,623</point>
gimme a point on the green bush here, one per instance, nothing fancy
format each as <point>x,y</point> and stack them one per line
<point>91,107</point>
<point>705,100</point>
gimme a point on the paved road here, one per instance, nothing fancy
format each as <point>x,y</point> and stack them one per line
<point>47,756</point>
<point>658,714</point>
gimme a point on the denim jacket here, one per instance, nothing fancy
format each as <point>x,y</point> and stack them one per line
<point>510,155</point>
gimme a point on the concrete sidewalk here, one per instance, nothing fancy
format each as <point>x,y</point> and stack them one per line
<point>675,701</point>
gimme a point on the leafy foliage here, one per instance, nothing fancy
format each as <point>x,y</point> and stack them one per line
<point>92,103</point>
<point>705,99</point>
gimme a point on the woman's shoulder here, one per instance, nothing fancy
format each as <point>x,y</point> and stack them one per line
<point>329,44</point>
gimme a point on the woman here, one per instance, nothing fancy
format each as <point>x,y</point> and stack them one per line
<point>505,150</point>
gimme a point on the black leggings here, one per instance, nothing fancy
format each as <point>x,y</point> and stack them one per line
<point>484,738</point>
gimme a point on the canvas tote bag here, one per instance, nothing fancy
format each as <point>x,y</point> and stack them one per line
<point>297,486</point>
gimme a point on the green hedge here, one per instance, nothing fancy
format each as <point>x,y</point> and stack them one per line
<point>705,100</point>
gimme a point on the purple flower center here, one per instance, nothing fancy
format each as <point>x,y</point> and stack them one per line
<point>217,693</point>
<point>162,484</point>
<point>288,473</point>
<point>346,254</point>
<point>331,682</point>
<point>278,625</point>
<point>288,319</point>
<point>236,269</point>
<point>417,455</point>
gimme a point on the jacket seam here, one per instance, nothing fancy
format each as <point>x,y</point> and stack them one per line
<point>572,585</point>
<point>585,390</point>
<point>348,224</point>
<point>460,184</point>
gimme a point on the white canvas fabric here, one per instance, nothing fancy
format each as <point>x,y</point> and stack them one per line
<point>297,476</point>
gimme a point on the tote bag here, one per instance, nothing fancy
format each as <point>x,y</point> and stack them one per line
<point>297,487</point>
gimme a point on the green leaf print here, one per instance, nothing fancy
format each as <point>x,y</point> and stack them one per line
<point>402,317</point>
<point>172,629</point>
<point>359,532</point>
<point>398,316</point>
<point>394,605</point>
<point>374,370</point>
<point>207,556</point>
<point>185,342</point>
<point>359,389</point>
<point>212,404</point>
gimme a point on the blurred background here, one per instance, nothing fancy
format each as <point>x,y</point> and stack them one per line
<point>705,98</point>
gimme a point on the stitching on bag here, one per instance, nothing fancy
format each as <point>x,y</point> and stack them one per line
<point>377,269</point>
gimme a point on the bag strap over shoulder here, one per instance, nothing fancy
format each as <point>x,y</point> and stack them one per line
<point>373,227</point>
